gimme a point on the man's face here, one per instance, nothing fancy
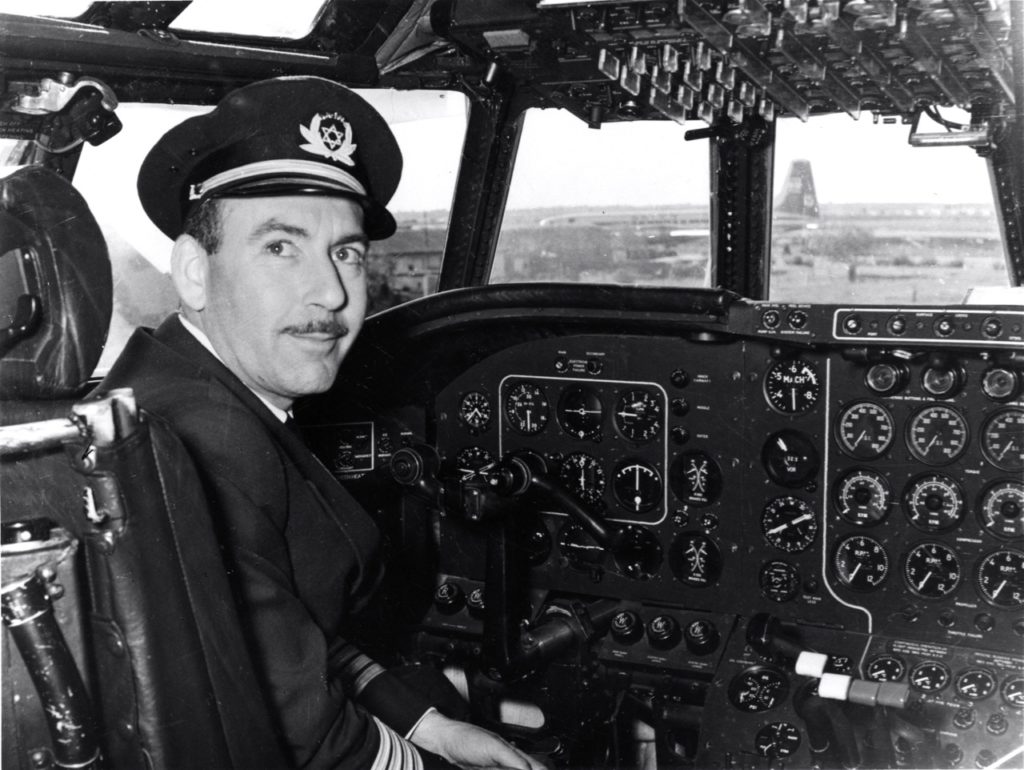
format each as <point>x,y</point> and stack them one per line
<point>286,292</point>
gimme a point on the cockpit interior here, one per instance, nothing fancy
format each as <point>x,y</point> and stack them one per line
<point>732,479</point>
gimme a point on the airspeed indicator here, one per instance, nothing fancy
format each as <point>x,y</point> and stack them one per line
<point>526,408</point>
<point>792,386</point>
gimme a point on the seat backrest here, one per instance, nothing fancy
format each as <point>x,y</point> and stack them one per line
<point>109,554</point>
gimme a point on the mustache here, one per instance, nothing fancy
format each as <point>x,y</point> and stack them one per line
<point>320,326</point>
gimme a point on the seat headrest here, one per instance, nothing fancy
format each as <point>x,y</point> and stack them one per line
<point>55,287</point>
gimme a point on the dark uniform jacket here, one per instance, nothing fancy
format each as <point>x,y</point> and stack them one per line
<point>300,553</point>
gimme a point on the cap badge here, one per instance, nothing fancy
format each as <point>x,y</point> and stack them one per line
<point>329,136</point>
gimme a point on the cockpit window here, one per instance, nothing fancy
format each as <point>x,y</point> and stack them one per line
<point>429,126</point>
<point>891,223</point>
<point>626,204</point>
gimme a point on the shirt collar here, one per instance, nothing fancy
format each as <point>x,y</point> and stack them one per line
<point>200,335</point>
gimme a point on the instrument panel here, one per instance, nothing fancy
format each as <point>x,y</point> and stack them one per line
<point>883,495</point>
<point>868,498</point>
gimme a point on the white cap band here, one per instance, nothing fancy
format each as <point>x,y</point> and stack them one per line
<point>341,179</point>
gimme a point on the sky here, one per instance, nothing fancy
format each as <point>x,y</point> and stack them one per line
<point>562,162</point>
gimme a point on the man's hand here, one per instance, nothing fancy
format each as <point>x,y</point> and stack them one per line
<point>467,745</point>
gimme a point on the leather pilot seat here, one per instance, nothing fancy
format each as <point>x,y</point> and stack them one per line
<point>151,665</point>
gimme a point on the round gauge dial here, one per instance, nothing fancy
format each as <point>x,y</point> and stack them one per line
<point>472,458</point>
<point>931,570</point>
<point>929,676</point>
<point>695,559</point>
<point>638,553</point>
<point>583,476</point>
<point>695,478</point>
<point>885,668</point>
<point>580,412</point>
<point>475,410</point>
<point>580,549</point>
<point>863,497</point>
<point>1002,509</point>
<point>1000,578</point>
<point>886,378</point>
<point>526,408</point>
<point>1002,439</point>
<point>934,502</point>
<point>860,563</point>
<point>865,430</point>
<point>937,435</point>
<point>777,740</point>
<point>638,415</point>
<point>758,689</point>
<point>779,581</point>
<point>1012,692</point>
<point>1000,384</point>
<point>790,458</point>
<point>789,524</point>
<point>792,386</point>
<point>637,486</point>
<point>941,381</point>
<point>975,684</point>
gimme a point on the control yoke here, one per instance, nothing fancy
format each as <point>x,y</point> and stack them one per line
<point>512,647</point>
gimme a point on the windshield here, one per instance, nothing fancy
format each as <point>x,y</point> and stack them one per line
<point>894,223</point>
<point>429,126</point>
<point>626,203</point>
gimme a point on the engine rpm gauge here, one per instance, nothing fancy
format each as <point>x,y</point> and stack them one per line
<point>580,412</point>
<point>777,740</point>
<point>638,415</point>
<point>789,524</point>
<point>937,435</point>
<point>1001,509</point>
<point>934,502</point>
<point>1000,578</point>
<point>1002,439</point>
<point>475,410</point>
<point>863,497</point>
<point>865,430</point>
<point>526,408</point>
<point>931,570</point>
<point>792,386</point>
<point>860,563</point>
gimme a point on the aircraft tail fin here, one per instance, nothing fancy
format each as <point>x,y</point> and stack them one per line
<point>798,196</point>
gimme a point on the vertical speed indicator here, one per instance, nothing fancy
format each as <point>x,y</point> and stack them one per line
<point>792,386</point>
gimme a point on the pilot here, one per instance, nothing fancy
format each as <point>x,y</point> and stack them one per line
<point>272,200</point>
